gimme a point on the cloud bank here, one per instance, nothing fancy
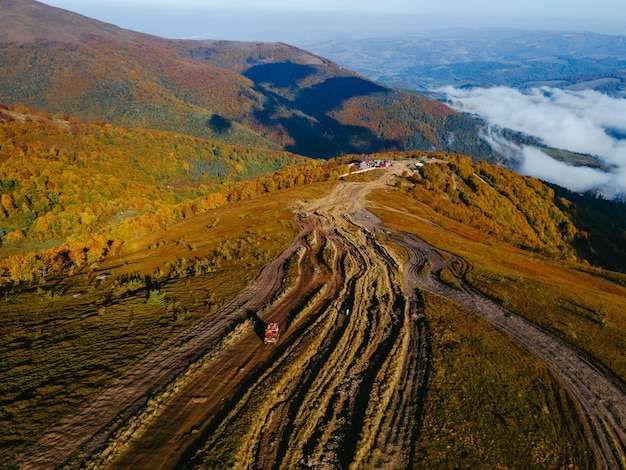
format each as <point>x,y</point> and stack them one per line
<point>586,122</point>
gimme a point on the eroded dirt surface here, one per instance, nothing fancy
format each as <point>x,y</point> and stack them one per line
<point>602,402</point>
<point>339,389</point>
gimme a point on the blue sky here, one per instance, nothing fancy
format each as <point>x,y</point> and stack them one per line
<point>301,22</point>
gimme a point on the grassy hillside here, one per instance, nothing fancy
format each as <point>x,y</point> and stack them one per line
<point>117,239</point>
<point>65,337</point>
<point>521,240</point>
<point>484,408</point>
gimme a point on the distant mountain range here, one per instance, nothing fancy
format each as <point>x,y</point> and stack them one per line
<point>256,94</point>
<point>487,57</point>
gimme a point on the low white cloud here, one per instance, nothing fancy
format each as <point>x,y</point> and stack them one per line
<point>574,121</point>
<point>580,179</point>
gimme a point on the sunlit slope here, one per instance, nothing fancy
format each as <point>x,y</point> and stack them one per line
<point>63,177</point>
<point>66,337</point>
<point>521,211</point>
<point>521,241</point>
<point>70,333</point>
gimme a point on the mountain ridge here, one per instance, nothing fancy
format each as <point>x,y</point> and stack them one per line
<point>30,21</point>
<point>139,267</point>
<point>208,89</point>
<point>136,298</point>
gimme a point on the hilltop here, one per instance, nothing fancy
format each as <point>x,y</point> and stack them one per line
<point>391,287</point>
<point>159,208</point>
<point>259,94</point>
<point>64,179</point>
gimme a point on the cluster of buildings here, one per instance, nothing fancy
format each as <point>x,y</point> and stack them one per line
<point>365,163</point>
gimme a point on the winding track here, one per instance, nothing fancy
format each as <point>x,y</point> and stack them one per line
<point>338,390</point>
<point>602,402</point>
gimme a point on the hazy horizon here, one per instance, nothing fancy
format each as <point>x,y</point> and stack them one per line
<point>277,20</point>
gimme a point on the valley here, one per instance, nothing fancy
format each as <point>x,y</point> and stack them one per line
<point>350,380</point>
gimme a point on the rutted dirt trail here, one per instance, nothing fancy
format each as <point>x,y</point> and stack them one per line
<point>602,402</point>
<point>341,387</point>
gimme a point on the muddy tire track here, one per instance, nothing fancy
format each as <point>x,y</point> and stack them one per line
<point>75,438</point>
<point>346,371</point>
<point>603,403</point>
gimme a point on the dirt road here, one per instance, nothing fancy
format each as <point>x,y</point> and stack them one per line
<point>602,402</point>
<point>339,389</point>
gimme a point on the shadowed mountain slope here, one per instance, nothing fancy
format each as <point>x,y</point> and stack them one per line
<point>258,94</point>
